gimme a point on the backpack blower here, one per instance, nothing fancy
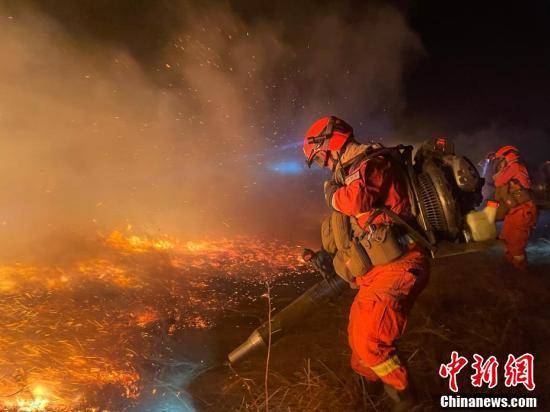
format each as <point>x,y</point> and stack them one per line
<point>444,189</point>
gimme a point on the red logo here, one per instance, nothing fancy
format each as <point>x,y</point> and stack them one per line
<point>485,372</point>
<point>451,369</point>
<point>517,371</point>
<point>520,371</point>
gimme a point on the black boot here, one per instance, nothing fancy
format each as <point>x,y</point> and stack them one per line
<point>372,387</point>
<point>369,390</point>
<point>404,401</point>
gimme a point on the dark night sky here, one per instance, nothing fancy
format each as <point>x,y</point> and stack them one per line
<point>486,61</point>
<point>474,71</point>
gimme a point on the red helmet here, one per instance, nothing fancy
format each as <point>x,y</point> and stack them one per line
<point>325,135</point>
<point>510,153</point>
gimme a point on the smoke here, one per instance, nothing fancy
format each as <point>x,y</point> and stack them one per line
<point>95,137</point>
<point>478,143</point>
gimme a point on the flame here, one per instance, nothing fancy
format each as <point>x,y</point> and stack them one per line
<point>146,318</point>
<point>38,404</point>
<point>137,244</point>
<point>70,331</point>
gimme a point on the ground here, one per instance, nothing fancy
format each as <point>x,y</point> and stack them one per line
<point>137,323</point>
<point>474,304</point>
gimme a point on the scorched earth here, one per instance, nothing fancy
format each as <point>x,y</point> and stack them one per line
<point>118,326</point>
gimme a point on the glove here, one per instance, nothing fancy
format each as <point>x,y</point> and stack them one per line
<point>321,261</point>
<point>330,188</point>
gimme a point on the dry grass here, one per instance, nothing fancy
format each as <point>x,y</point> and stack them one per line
<point>311,388</point>
<point>473,305</point>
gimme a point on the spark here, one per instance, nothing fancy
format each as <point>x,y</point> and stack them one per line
<point>72,331</point>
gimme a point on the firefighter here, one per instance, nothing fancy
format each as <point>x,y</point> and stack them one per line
<point>512,191</point>
<point>362,184</point>
<point>541,190</point>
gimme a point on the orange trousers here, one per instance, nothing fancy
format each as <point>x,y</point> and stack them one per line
<point>516,229</point>
<point>378,317</point>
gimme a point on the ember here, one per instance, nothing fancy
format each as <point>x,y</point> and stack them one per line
<point>75,333</point>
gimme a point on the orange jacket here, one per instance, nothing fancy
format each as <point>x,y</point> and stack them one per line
<point>370,184</point>
<point>514,171</point>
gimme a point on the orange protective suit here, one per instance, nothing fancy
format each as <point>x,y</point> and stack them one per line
<point>516,229</point>
<point>378,317</point>
<point>378,314</point>
<point>520,219</point>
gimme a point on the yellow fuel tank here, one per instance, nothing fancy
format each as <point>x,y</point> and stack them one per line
<point>481,224</point>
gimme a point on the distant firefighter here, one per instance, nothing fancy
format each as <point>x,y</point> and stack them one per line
<point>370,249</point>
<point>541,189</point>
<point>513,192</point>
<point>544,171</point>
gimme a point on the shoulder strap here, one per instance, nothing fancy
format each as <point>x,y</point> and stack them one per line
<point>401,157</point>
<point>410,230</point>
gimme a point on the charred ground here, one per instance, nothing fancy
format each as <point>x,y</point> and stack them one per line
<point>139,323</point>
<point>473,304</point>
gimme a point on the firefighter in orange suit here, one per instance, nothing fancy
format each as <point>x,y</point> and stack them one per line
<point>362,183</point>
<point>512,191</point>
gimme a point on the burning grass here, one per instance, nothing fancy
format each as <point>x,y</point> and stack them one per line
<point>473,304</point>
<point>84,335</point>
<point>111,330</point>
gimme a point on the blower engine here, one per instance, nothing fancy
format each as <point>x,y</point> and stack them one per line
<point>448,187</point>
<point>444,189</point>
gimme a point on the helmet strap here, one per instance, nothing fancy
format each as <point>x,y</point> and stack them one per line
<point>330,127</point>
<point>338,169</point>
<point>322,141</point>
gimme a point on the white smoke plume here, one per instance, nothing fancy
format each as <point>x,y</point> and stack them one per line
<point>92,138</point>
